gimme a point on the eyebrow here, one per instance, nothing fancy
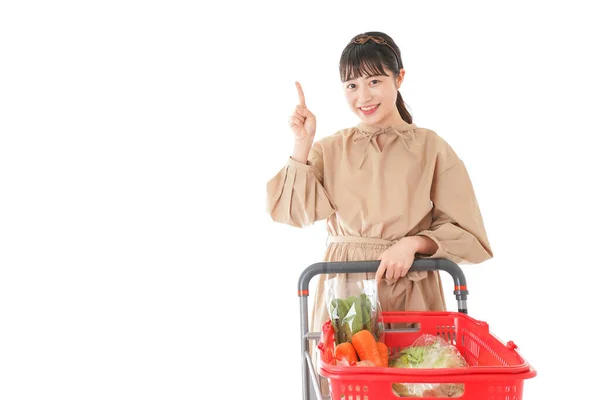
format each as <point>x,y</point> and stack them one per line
<point>366,77</point>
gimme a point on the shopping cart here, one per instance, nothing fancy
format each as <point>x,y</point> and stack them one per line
<point>496,370</point>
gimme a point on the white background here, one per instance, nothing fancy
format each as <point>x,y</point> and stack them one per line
<point>137,139</point>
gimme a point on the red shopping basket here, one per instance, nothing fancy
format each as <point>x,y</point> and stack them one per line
<point>496,371</point>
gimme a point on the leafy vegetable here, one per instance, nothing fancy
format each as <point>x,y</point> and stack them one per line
<point>351,315</point>
<point>429,352</point>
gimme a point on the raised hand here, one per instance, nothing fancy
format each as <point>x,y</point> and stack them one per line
<point>302,121</point>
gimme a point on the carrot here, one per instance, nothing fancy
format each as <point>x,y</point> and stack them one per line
<point>383,353</point>
<point>366,347</point>
<point>346,351</point>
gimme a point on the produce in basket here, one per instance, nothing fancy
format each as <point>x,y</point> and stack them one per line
<point>351,315</point>
<point>353,305</point>
<point>428,389</point>
<point>383,353</point>
<point>366,347</point>
<point>326,344</point>
<point>428,351</point>
<point>345,354</point>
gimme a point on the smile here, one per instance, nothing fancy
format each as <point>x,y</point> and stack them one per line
<point>369,109</point>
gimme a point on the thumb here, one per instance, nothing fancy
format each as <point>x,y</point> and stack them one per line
<point>380,270</point>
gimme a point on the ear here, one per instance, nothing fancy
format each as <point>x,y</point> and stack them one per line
<point>400,77</point>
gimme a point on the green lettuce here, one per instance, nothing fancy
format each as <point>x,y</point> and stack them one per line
<point>429,352</point>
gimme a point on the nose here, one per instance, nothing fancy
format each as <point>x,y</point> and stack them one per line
<point>364,95</point>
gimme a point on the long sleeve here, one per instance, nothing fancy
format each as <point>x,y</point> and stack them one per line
<point>296,195</point>
<point>457,226</point>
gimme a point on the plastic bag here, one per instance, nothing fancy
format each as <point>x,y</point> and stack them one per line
<point>353,305</point>
<point>444,390</point>
<point>326,346</point>
<point>429,351</point>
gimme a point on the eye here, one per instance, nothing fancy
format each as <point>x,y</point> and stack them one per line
<point>375,80</point>
<point>349,86</point>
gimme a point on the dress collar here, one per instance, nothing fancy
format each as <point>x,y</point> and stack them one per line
<point>368,130</point>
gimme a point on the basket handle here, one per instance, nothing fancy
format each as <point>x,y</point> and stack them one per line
<point>421,264</point>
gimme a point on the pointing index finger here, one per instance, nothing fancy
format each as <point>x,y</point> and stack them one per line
<point>300,94</point>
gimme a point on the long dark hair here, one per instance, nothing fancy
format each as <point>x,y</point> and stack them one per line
<point>364,56</point>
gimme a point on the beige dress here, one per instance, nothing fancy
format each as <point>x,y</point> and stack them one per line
<point>371,197</point>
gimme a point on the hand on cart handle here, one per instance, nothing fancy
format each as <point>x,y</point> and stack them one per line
<point>395,261</point>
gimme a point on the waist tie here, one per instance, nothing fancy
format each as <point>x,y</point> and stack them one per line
<point>360,239</point>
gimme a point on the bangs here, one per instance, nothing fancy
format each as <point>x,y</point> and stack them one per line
<point>360,61</point>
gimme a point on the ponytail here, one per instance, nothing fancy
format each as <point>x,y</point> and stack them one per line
<point>402,109</point>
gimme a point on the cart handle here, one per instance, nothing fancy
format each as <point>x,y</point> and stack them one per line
<point>421,264</point>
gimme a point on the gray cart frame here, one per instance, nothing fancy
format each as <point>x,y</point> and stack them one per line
<point>339,267</point>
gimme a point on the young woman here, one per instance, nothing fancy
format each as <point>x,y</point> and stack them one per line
<point>389,189</point>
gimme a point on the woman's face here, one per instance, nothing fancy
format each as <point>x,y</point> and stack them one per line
<point>373,98</point>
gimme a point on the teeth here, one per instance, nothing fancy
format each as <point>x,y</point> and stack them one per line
<point>367,108</point>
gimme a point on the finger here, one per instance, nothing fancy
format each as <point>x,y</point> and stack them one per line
<point>299,116</point>
<point>296,120</point>
<point>397,272</point>
<point>302,110</point>
<point>390,272</point>
<point>403,272</point>
<point>387,268</point>
<point>300,94</point>
<point>380,272</point>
